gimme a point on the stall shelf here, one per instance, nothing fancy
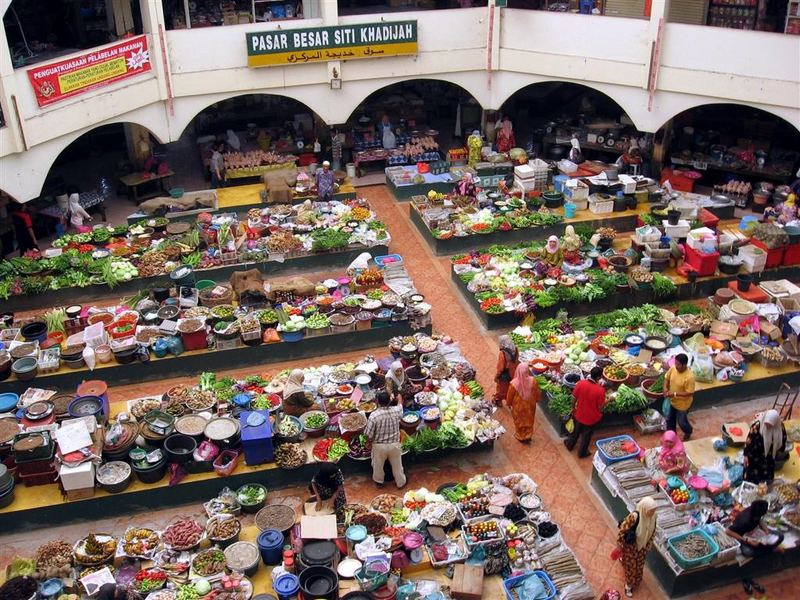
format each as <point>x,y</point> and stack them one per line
<point>195,361</point>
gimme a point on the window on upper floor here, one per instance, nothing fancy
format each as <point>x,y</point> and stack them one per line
<point>41,30</point>
<point>184,14</point>
<point>365,7</point>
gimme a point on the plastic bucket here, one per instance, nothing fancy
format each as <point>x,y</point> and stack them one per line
<point>286,586</point>
<point>355,534</point>
<point>270,545</point>
<point>204,284</point>
<point>95,387</point>
<point>319,582</point>
<point>351,170</point>
<point>569,210</point>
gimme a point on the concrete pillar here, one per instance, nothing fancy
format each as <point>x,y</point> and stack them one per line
<point>154,26</point>
<point>658,18</point>
<point>329,11</point>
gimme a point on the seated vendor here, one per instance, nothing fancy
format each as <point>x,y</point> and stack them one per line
<point>571,241</point>
<point>296,400</point>
<point>754,536</point>
<point>399,387</point>
<point>672,458</point>
<point>552,253</point>
<point>466,186</point>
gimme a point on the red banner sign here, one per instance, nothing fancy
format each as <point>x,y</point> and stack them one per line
<point>60,80</point>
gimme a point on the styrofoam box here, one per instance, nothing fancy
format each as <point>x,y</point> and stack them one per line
<point>526,184</point>
<point>754,259</point>
<point>599,208</point>
<point>575,190</point>
<point>681,230</point>
<point>701,235</point>
<point>76,478</point>
<point>524,172</point>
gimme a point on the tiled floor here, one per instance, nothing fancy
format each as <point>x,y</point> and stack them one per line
<point>563,479</point>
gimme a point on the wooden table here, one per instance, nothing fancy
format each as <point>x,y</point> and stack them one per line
<point>134,180</point>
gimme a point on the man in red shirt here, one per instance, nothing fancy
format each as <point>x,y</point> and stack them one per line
<point>587,410</point>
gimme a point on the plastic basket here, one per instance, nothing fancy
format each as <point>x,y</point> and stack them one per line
<point>729,552</point>
<point>612,459</point>
<point>373,575</point>
<point>438,564</point>
<point>512,582</point>
<point>466,536</point>
<point>394,260</point>
<point>689,563</point>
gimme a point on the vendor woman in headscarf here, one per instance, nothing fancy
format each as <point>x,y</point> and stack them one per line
<point>764,445</point>
<point>296,400</point>
<point>636,533</point>
<point>507,364</point>
<point>552,253</point>
<point>398,386</point>
<point>630,161</point>
<point>466,186</point>
<point>505,136</point>
<point>672,458</point>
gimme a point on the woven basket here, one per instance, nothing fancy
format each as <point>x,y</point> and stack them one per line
<point>206,299</point>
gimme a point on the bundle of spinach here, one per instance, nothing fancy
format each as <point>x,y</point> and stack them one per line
<point>329,239</point>
<point>627,400</point>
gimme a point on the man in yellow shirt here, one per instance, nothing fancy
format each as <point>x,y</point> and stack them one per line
<point>679,389</point>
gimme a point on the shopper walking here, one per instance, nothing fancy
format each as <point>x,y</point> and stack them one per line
<point>217,167</point>
<point>383,430</point>
<point>587,411</point>
<point>634,539</point>
<point>523,394</point>
<point>23,228</point>
<point>765,443</point>
<point>507,363</point>
<point>679,389</point>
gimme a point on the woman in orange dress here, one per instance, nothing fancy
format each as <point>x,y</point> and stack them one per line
<point>636,533</point>
<point>523,394</point>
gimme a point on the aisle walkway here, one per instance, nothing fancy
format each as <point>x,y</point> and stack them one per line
<point>563,480</point>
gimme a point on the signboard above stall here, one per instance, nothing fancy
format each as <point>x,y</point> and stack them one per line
<point>341,42</point>
<point>63,79</point>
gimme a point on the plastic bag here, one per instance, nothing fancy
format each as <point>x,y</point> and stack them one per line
<point>703,368</point>
<point>89,357</point>
<point>695,342</point>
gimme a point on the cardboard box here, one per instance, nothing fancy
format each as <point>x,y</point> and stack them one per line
<point>467,582</point>
<point>721,330</point>
<point>770,330</point>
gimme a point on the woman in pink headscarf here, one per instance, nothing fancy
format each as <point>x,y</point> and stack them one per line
<point>672,456</point>
<point>505,136</point>
<point>523,394</point>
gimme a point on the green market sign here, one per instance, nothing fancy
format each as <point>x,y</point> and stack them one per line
<point>341,42</point>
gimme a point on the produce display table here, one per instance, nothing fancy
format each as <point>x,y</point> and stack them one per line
<point>135,180</point>
<point>674,580</point>
<point>621,221</point>
<point>759,381</point>
<point>43,505</point>
<point>438,183</point>
<point>194,361</point>
<point>295,262</point>
<point>702,288</point>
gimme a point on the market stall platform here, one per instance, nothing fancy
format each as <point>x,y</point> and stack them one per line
<point>621,221</point>
<point>195,361</point>
<point>759,381</point>
<point>679,582</point>
<point>703,287</point>
<point>280,264</point>
<point>242,198</point>
<point>43,505</point>
<point>438,183</point>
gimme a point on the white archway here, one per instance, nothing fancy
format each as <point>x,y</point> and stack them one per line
<point>23,174</point>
